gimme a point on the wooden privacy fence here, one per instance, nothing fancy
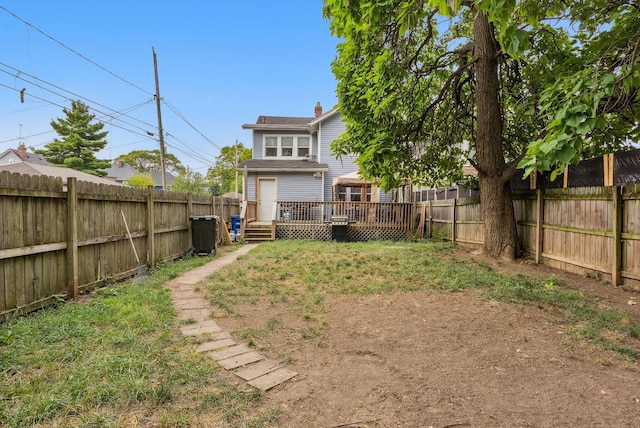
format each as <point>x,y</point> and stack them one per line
<point>586,230</point>
<point>56,242</point>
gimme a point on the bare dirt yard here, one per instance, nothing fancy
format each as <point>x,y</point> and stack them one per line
<point>429,359</point>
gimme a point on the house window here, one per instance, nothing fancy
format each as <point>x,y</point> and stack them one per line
<point>303,146</point>
<point>286,146</point>
<point>271,146</point>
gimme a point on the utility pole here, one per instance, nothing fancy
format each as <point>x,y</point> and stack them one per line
<point>160,131</point>
<point>236,167</point>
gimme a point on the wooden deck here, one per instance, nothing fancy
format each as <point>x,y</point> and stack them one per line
<point>313,220</point>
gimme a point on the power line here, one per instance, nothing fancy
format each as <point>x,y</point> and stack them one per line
<point>104,114</point>
<point>20,73</point>
<point>63,107</point>
<point>181,116</point>
<point>74,51</point>
<point>26,137</point>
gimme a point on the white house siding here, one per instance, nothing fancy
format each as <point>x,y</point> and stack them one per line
<point>10,159</point>
<point>330,129</point>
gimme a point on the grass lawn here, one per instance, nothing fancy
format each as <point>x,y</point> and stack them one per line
<point>117,359</point>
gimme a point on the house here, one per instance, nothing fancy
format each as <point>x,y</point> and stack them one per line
<point>13,156</point>
<point>120,172</point>
<point>28,168</point>
<point>292,161</point>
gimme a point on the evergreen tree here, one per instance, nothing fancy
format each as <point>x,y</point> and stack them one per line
<point>79,141</point>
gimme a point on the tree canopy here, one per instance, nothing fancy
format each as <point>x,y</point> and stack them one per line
<point>223,173</point>
<point>427,85</point>
<point>80,140</point>
<point>190,181</point>
<point>149,160</point>
<point>140,180</point>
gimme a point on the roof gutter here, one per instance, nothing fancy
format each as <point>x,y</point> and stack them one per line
<point>271,169</point>
<point>271,127</point>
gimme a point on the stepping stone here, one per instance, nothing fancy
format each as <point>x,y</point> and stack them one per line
<point>190,303</point>
<point>272,379</point>
<point>240,360</point>
<point>258,369</point>
<point>216,344</point>
<point>199,329</point>
<point>229,352</point>
<point>196,314</point>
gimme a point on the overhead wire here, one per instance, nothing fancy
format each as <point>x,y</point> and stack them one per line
<point>184,119</point>
<point>195,155</point>
<point>20,73</point>
<point>74,51</point>
<point>63,107</point>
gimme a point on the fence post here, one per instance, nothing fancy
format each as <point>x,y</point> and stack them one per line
<point>72,239</point>
<point>151,228</point>
<point>430,219</point>
<point>616,250</point>
<point>539,223</point>
<point>188,219</point>
<point>453,221</point>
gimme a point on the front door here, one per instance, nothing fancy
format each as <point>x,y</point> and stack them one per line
<point>266,197</point>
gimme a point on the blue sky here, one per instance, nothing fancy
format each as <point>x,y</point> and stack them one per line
<point>221,64</point>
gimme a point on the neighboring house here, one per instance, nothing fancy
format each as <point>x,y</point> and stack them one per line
<point>13,156</point>
<point>292,161</point>
<point>121,171</point>
<point>28,168</point>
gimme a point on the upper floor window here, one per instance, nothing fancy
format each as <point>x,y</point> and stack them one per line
<point>286,146</point>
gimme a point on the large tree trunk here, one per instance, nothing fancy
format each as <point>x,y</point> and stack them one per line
<point>500,233</point>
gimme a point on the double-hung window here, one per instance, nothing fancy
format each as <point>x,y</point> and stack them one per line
<point>287,146</point>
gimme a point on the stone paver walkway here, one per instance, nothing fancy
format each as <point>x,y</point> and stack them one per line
<point>196,314</point>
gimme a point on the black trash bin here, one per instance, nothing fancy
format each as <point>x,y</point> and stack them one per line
<point>339,228</point>
<point>204,234</point>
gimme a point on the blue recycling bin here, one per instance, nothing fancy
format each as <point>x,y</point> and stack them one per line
<point>235,223</point>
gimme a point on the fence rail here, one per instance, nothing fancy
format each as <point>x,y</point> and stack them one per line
<point>585,230</point>
<point>379,214</point>
<point>56,242</point>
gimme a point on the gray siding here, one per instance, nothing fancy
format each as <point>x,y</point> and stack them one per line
<point>251,187</point>
<point>298,186</point>
<point>258,137</point>
<point>331,129</point>
<point>292,186</point>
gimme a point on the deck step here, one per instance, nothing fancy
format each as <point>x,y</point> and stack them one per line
<point>257,234</point>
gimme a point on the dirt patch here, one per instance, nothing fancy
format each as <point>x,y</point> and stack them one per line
<point>425,359</point>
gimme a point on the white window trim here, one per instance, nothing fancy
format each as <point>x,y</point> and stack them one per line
<point>279,146</point>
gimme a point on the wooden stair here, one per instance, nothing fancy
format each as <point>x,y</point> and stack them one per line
<point>254,232</point>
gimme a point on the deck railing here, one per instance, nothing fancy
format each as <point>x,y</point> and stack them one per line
<point>379,214</point>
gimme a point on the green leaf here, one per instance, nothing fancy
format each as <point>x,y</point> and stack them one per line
<point>566,154</point>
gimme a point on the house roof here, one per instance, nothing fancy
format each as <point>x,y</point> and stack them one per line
<point>121,172</point>
<point>31,157</point>
<point>279,123</point>
<point>283,165</point>
<point>156,176</point>
<point>54,171</point>
<point>314,123</point>
<point>350,178</point>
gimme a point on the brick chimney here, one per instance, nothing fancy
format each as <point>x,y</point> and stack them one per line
<point>120,163</point>
<point>22,151</point>
<point>318,109</point>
